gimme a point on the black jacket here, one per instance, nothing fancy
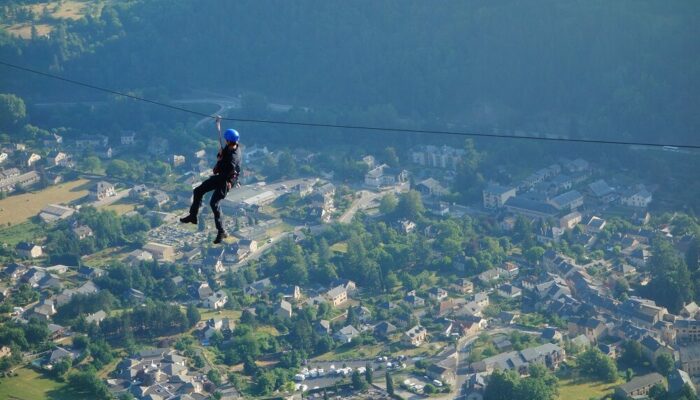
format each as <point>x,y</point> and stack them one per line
<point>229,166</point>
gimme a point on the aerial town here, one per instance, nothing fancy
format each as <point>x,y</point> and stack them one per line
<point>323,290</point>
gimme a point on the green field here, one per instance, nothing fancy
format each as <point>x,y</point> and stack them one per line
<point>24,232</point>
<point>30,385</point>
<point>584,390</point>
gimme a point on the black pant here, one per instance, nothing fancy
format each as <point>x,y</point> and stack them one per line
<point>216,183</point>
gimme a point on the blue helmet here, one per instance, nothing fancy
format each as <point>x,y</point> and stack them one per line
<point>231,135</point>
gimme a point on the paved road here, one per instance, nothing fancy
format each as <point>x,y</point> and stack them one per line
<point>111,200</point>
<point>364,202</point>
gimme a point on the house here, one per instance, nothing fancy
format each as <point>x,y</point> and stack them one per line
<point>5,352</point>
<point>161,252</point>
<point>437,293</point>
<point>58,355</point>
<point>550,334</point>
<point>177,160</point>
<point>128,138</point>
<point>677,379</point>
<point>14,271</point>
<point>489,275</point>
<point>382,175</point>
<point>495,196</point>
<point>530,208</point>
<point>323,327</point>
<point>97,317</point>
<point>687,330</point>
<point>639,386</point>
<point>509,291</point>
<point>204,291</point>
<point>28,250</point>
<point>465,286</point>
<point>444,371</point>
<point>248,245</point>
<point>595,225</point>
<point>90,272</point>
<point>303,189</point>
<point>638,197</point>
<point>601,190</point>
<point>337,296</point>
<point>414,336</point>
<point>102,190</point>
<point>216,301</point>
<point>45,310</point>
<point>690,310</point>
<point>405,226</point>
<point>414,301</point>
<point>443,157</point>
<point>34,276</point>
<point>346,334</point>
<point>510,269</point>
<point>137,257</point>
<point>33,159</point>
<point>652,348</point>
<point>569,201</point>
<point>569,221</point>
<point>82,232</point>
<point>690,359</point>
<point>384,329</point>
<point>592,328</point>
<point>257,288</point>
<point>481,299</point>
<point>547,354</point>
<point>284,310</point>
<point>431,188</point>
<point>57,158</point>
<point>641,311</point>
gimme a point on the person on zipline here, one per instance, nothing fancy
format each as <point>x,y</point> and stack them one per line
<point>226,172</point>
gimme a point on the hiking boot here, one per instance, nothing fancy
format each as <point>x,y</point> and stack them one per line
<point>220,237</point>
<point>192,219</point>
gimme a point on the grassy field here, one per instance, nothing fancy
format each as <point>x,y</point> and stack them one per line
<point>584,390</point>
<point>348,353</point>
<point>208,314</point>
<point>30,385</point>
<point>340,247</point>
<point>23,232</point>
<point>17,209</point>
<point>120,208</point>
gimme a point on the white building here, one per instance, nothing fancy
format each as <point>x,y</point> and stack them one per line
<point>495,196</point>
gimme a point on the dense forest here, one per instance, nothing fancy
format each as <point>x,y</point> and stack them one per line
<point>596,69</point>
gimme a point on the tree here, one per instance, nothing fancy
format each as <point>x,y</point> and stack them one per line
<point>119,169</point>
<point>594,364</point>
<point>410,205</point>
<point>631,353</point>
<point>368,373</point>
<point>502,386</point>
<point>665,363</point>
<point>12,110</point>
<point>390,157</point>
<point>357,382</point>
<point>214,376</point>
<point>388,204</point>
<point>92,164</point>
<point>87,381</point>
<point>534,254</point>
<point>389,383</point>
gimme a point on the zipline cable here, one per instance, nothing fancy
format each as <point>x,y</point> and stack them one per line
<point>352,127</point>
